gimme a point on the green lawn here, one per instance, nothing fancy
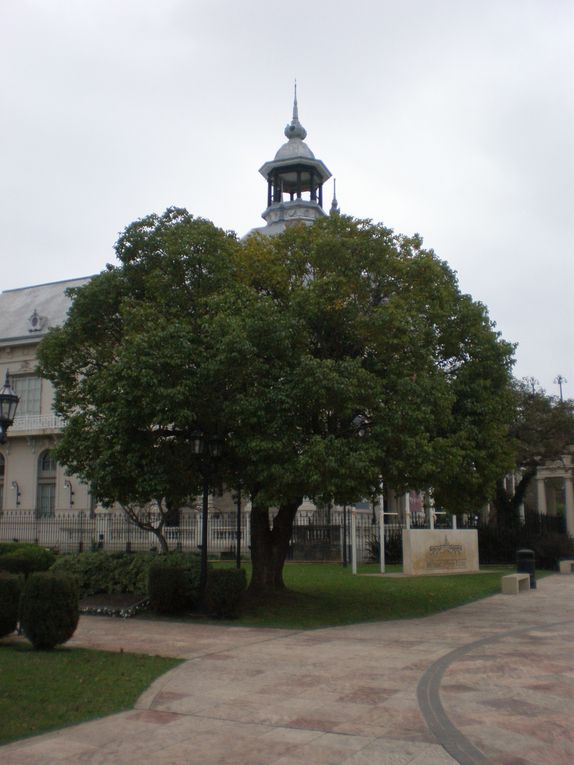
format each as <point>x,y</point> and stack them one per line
<point>327,595</point>
<point>42,690</point>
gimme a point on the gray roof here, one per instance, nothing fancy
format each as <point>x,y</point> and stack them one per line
<point>27,313</point>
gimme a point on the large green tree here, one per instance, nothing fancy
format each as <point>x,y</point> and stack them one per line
<point>327,357</point>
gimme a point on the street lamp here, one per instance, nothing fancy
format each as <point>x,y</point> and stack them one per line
<point>8,405</point>
<point>208,449</point>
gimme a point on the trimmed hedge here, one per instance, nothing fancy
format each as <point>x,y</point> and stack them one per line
<point>102,572</point>
<point>98,572</point>
<point>10,589</point>
<point>49,609</point>
<point>168,593</point>
<point>24,558</point>
<point>224,592</point>
<point>173,583</point>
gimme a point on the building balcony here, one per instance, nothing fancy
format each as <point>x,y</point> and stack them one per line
<point>28,424</point>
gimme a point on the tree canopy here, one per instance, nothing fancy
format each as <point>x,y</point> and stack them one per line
<point>541,431</point>
<point>327,357</point>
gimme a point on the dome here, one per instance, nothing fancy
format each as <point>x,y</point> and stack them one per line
<point>295,148</point>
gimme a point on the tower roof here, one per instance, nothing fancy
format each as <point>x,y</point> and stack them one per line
<point>295,181</point>
<point>295,151</point>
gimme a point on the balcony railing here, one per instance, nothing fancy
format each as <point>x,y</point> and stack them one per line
<point>37,422</point>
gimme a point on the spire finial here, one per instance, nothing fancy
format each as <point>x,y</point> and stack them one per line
<point>295,129</point>
<point>295,109</point>
<point>334,205</point>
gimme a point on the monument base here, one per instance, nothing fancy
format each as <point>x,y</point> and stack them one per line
<point>440,551</point>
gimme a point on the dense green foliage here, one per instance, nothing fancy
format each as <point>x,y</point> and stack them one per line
<point>541,430</point>
<point>100,571</point>
<point>42,691</point>
<point>23,558</point>
<point>173,584</point>
<point>167,589</point>
<point>224,593</point>
<point>10,588</point>
<point>49,609</point>
<point>327,357</point>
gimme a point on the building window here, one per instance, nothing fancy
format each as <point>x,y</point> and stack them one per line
<point>29,388</point>
<point>46,484</point>
<point>2,471</point>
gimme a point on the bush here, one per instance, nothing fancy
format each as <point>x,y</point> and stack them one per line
<point>10,588</point>
<point>49,610</point>
<point>167,589</point>
<point>173,583</point>
<point>393,547</point>
<point>548,549</point>
<point>224,593</point>
<point>107,572</point>
<point>24,558</point>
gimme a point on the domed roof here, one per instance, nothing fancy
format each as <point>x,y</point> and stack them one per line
<point>294,149</point>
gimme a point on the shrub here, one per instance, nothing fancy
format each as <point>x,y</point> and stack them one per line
<point>107,572</point>
<point>10,588</point>
<point>49,609</point>
<point>23,558</point>
<point>224,593</point>
<point>393,547</point>
<point>548,549</point>
<point>173,584</point>
<point>167,589</point>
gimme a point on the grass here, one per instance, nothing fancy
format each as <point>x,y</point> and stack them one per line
<point>43,690</point>
<point>328,595</point>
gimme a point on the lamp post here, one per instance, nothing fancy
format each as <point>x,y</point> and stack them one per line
<point>8,405</point>
<point>207,449</point>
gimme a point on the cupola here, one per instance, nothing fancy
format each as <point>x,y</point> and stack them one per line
<point>295,180</point>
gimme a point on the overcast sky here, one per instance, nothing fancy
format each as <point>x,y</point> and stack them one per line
<point>450,118</point>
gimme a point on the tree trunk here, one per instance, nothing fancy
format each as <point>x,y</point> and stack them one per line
<point>269,546</point>
<point>506,505</point>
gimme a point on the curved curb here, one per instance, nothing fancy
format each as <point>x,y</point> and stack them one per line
<point>428,696</point>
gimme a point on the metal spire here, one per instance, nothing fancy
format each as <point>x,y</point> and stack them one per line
<point>334,205</point>
<point>295,129</point>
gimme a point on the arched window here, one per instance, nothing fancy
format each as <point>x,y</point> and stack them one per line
<point>46,484</point>
<point>2,471</point>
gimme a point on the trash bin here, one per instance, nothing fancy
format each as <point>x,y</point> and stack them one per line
<point>525,564</point>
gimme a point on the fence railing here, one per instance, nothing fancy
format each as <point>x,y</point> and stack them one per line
<point>316,537</point>
<point>37,422</point>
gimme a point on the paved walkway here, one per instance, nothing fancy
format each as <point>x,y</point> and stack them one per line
<point>490,682</point>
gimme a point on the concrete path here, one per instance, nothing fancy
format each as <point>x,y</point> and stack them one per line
<point>490,682</point>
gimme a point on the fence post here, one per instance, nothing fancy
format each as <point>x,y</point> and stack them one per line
<point>454,520</point>
<point>354,540</point>
<point>382,538</point>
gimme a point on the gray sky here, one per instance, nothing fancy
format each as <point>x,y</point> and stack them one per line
<point>450,118</point>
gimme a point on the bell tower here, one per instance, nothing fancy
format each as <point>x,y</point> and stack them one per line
<point>294,181</point>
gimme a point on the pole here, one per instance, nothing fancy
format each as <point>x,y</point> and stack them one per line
<point>382,538</point>
<point>204,513</point>
<point>238,548</point>
<point>354,540</point>
<point>345,561</point>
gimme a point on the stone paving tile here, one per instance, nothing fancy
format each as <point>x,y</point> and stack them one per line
<point>346,696</point>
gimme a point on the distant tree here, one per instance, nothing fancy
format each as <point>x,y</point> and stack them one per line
<point>541,431</point>
<point>327,357</point>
